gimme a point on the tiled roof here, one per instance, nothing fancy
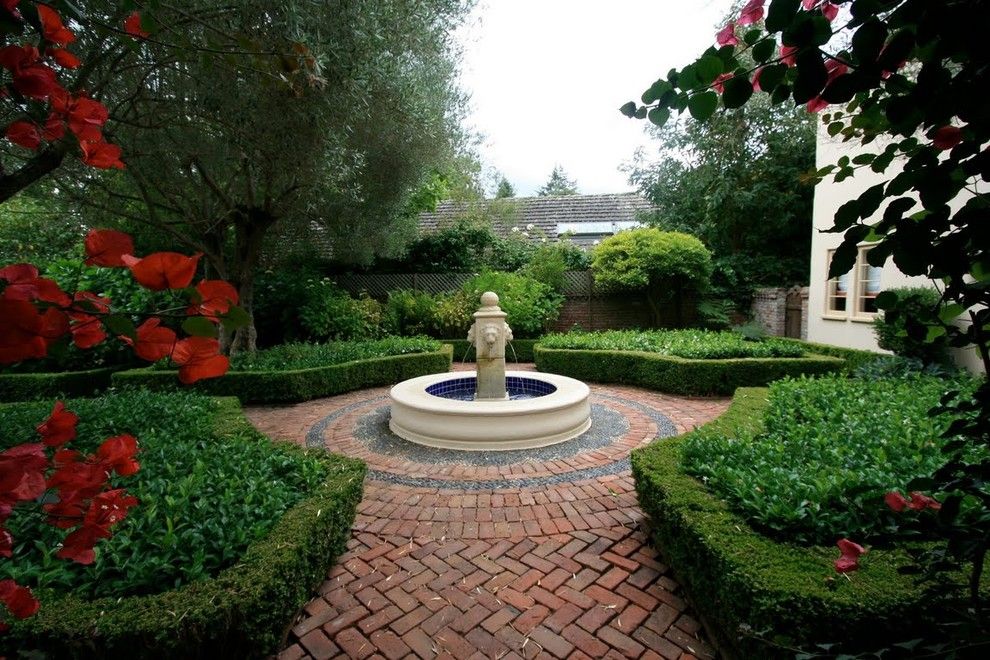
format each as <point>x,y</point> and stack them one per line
<point>543,212</point>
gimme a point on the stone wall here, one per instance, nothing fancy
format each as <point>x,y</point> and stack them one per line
<point>781,311</point>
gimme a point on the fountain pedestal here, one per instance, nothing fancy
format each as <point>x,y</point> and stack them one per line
<point>489,334</point>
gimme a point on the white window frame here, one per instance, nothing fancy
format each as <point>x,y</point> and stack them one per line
<point>854,286</point>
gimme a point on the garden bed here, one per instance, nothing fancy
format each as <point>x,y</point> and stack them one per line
<point>43,385</point>
<point>692,362</point>
<point>751,588</point>
<point>240,528</point>
<point>283,374</point>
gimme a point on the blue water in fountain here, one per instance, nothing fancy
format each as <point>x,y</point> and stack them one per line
<point>463,389</point>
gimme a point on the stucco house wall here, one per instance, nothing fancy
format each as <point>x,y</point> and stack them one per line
<point>850,328</point>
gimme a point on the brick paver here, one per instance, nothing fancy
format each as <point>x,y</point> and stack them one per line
<point>558,571</point>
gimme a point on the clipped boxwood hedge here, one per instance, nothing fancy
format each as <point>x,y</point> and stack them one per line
<point>242,612</point>
<point>32,386</point>
<point>854,357</point>
<point>676,375</point>
<point>300,384</point>
<point>519,350</point>
<point>746,582</point>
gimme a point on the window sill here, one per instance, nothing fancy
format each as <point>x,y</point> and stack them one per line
<point>834,317</point>
<point>863,319</point>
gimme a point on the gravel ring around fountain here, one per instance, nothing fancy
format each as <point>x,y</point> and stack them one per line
<point>377,438</point>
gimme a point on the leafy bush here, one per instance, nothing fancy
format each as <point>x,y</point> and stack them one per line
<point>31,386</point>
<point>307,356</point>
<point>831,448</point>
<point>893,366</point>
<point>278,296</point>
<point>550,260</point>
<point>330,313</point>
<point>409,312</point>
<point>530,305</point>
<point>903,330</point>
<point>205,495</point>
<point>694,344</point>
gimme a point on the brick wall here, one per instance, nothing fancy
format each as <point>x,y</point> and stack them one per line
<point>772,308</point>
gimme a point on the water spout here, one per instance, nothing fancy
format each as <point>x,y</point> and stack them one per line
<point>489,334</point>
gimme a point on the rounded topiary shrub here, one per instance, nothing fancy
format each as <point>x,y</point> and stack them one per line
<point>902,328</point>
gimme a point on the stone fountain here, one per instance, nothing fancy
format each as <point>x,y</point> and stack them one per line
<point>490,409</point>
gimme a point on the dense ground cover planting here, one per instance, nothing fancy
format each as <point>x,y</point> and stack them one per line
<point>828,451</point>
<point>306,356</point>
<point>693,344</point>
<point>205,494</point>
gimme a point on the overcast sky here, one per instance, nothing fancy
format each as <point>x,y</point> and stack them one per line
<point>546,79</point>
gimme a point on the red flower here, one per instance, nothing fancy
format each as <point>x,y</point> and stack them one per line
<point>132,26</point>
<point>11,6</point>
<point>851,552</point>
<point>719,84</point>
<point>895,501</point>
<point>752,12</point>
<point>163,270</point>
<point>835,69</point>
<point>19,600</point>
<point>215,298</point>
<point>727,35</point>
<point>22,471</point>
<point>35,81</point>
<point>153,342</point>
<point>118,454</point>
<point>60,427</point>
<point>64,58</point>
<point>199,358</point>
<point>830,11</point>
<point>6,543</point>
<point>21,281</point>
<point>24,134</point>
<point>756,79</point>
<point>919,502</point>
<point>78,546</point>
<point>788,54</point>
<point>87,330</point>
<point>86,117</point>
<point>106,247</point>
<point>947,137</point>
<point>101,155</point>
<point>20,332</point>
<point>109,508</point>
<point>54,128</point>
<point>52,28</point>
<point>54,324</point>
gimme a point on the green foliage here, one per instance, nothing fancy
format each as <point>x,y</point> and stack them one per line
<point>279,294</point>
<point>243,610</point>
<point>675,375</point>
<point>331,313</point>
<point>452,315</point>
<point>550,260</point>
<point>830,449</point>
<point>37,230</point>
<point>531,306</point>
<point>853,358</point>
<point>30,386</point>
<point>206,494</point>
<point>504,189</point>
<point>903,329</point>
<point>410,312</point>
<point>291,357</point>
<point>893,366</point>
<point>518,350</point>
<point>558,184</point>
<point>291,385</point>
<point>666,265</point>
<point>736,183</point>
<point>761,595</point>
<point>694,344</point>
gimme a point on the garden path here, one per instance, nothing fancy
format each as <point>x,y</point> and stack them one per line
<point>495,556</point>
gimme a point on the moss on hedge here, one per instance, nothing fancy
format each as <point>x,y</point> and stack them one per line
<point>518,350</point>
<point>32,386</point>
<point>299,384</point>
<point>242,612</point>
<point>675,375</point>
<point>745,583</point>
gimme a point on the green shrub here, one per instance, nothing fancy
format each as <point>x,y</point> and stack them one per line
<point>918,307</point>
<point>854,358</point>
<point>331,313</point>
<point>830,449</point>
<point>409,312</point>
<point>677,375</point>
<point>242,612</point>
<point>291,357</point>
<point>530,305</point>
<point>696,344</point>
<point>754,587</point>
<point>30,386</point>
<point>279,294</point>
<point>551,260</point>
<point>206,493</point>
<point>290,385</point>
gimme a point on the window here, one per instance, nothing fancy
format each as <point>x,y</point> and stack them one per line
<point>854,294</point>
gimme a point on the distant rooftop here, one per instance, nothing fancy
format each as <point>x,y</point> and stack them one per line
<point>587,217</point>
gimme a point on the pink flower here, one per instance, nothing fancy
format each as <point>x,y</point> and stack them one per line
<point>752,12</point>
<point>788,55</point>
<point>895,501</point>
<point>756,79</point>
<point>849,560</point>
<point>920,502</point>
<point>719,84</point>
<point>727,35</point>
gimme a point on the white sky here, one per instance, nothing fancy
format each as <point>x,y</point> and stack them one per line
<point>546,79</point>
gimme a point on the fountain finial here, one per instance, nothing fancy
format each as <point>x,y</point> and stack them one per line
<point>489,299</point>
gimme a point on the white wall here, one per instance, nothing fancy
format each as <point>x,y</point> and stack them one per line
<point>844,329</point>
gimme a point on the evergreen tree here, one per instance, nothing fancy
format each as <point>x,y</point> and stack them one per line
<point>504,189</point>
<point>558,184</point>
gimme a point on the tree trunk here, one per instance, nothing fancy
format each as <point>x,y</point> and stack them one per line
<point>41,164</point>
<point>249,234</point>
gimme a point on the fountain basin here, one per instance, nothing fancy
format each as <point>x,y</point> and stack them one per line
<point>555,409</point>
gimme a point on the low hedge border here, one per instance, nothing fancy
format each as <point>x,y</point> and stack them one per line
<point>242,612</point>
<point>48,385</point>
<point>745,582</point>
<point>518,350</point>
<point>292,386</point>
<point>854,357</point>
<point>676,375</point>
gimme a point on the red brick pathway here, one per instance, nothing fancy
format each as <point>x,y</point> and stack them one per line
<point>560,571</point>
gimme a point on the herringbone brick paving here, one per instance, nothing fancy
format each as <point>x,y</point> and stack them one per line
<point>562,571</point>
